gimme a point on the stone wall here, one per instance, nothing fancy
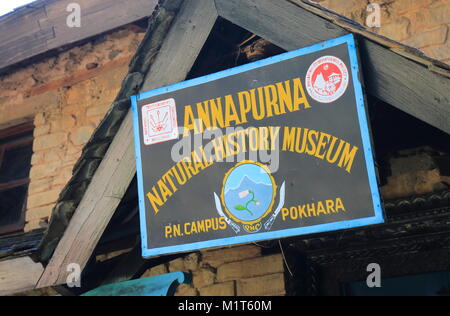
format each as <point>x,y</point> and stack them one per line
<point>65,96</point>
<point>423,24</point>
<point>237,271</point>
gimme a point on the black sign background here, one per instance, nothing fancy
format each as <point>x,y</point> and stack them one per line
<point>308,179</point>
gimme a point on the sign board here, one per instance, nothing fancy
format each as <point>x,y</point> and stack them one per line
<point>276,148</point>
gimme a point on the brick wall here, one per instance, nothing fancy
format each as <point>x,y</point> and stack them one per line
<point>237,271</point>
<point>65,96</point>
<point>423,24</point>
<point>416,171</point>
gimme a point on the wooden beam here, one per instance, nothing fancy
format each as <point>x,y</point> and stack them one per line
<point>97,16</point>
<point>190,30</point>
<point>94,212</point>
<point>280,22</point>
<point>14,184</point>
<point>16,130</point>
<point>188,36</point>
<point>406,85</point>
<point>396,80</point>
<point>19,275</point>
<point>42,26</point>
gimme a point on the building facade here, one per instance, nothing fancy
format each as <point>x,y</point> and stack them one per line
<point>52,105</point>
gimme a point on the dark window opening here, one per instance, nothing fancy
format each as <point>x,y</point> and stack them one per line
<point>16,149</point>
<point>430,284</point>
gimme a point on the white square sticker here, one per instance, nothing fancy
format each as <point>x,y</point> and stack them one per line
<point>159,122</point>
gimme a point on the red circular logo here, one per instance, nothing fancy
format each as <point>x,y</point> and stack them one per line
<point>327,79</point>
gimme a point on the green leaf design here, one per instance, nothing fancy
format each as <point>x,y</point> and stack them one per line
<point>240,208</point>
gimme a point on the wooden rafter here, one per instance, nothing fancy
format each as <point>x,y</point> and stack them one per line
<point>16,130</point>
<point>14,184</point>
<point>392,78</point>
<point>191,29</point>
<point>41,26</point>
<point>19,275</point>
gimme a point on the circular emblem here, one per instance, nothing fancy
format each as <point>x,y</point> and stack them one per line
<point>327,79</point>
<point>248,192</point>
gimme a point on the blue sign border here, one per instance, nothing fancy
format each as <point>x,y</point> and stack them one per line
<point>366,139</point>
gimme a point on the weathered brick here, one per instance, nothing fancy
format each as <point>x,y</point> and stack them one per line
<point>98,110</point>
<point>38,158</point>
<point>411,183</point>
<point>433,37</point>
<point>53,155</point>
<point>46,100</point>
<point>250,268</point>
<point>344,7</point>
<point>69,161</point>
<point>177,265</point>
<point>75,109</point>
<point>43,171</point>
<point>81,135</point>
<point>186,290</point>
<point>79,94</point>
<point>40,119</point>
<point>96,119</point>
<point>403,6</point>
<point>49,141</point>
<point>439,52</point>
<point>106,84</point>
<point>68,121</point>
<point>41,89</point>
<point>41,130</point>
<point>44,198</point>
<point>216,258</point>
<point>39,213</point>
<point>35,224</point>
<point>38,186</point>
<point>62,177</point>
<point>74,151</point>
<point>191,261</point>
<point>396,29</point>
<point>203,277</point>
<point>440,13</point>
<point>158,270</point>
<point>221,289</point>
<point>418,23</point>
<point>267,285</point>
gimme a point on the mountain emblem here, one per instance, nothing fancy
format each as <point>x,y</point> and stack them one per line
<point>248,196</point>
<point>327,79</point>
